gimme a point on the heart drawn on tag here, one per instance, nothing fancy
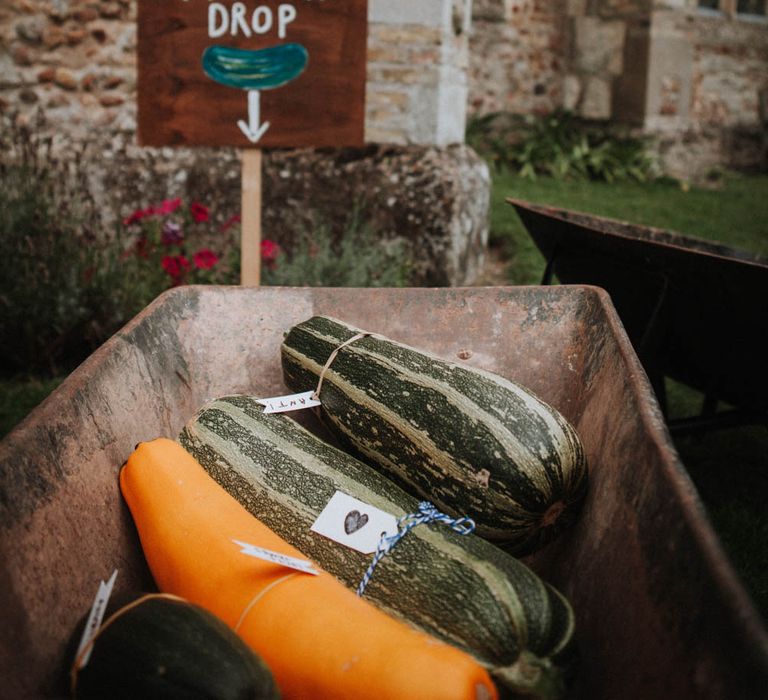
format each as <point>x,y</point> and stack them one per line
<point>354,520</point>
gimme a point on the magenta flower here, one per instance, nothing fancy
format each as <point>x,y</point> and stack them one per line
<point>199,212</point>
<point>175,266</point>
<point>168,206</point>
<point>269,250</point>
<point>230,222</point>
<point>138,215</point>
<point>205,259</point>
<point>172,233</point>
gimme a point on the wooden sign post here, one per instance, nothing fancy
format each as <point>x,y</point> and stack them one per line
<point>253,74</point>
<point>250,218</point>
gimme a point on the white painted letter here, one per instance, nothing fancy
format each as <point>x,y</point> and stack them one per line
<point>286,14</point>
<point>262,19</point>
<point>238,19</point>
<point>214,9</point>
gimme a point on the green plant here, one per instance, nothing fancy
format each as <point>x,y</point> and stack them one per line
<point>355,259</point>
<point>67,285</point>
<point>489,137</point>
<point>167,245</point>
<point>164,250</point>
<point>53,262</point>
<point>561,146</point>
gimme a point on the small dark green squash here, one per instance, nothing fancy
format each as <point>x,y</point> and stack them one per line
<point>164,648</point>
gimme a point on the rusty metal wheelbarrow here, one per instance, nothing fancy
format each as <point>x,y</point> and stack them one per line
<point>660,612</point>
<point>695,311</point>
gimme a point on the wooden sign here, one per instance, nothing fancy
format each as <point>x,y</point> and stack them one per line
<point>251,74</point>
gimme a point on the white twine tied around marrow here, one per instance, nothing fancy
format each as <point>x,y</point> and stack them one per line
<point>332,357</point>
<point>427,514</point>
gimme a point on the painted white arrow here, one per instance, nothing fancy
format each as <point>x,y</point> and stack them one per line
<point>253,130</point>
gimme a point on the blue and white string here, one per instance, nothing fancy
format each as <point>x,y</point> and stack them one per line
<point>427,514</point>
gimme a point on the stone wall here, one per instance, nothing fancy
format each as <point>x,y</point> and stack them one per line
<point>417,71</point>
<point>697,81</point>
<point>706,92</point>
<point>601,54</point>
<point>518,56</point>
<point>74,60</point>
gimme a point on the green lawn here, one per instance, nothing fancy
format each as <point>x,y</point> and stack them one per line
<point>734,213</point>
<point>19,395</point>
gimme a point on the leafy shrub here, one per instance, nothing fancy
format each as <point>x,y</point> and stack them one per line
<point>163,237</point>
<point>170,244</point>
<point>489,135</point>
<point>356,259</point>
<point>65,286</point>
<point>53,273</point>
<point>561,146</point>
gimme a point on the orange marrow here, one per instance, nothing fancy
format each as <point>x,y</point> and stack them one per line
<point>319,639</point>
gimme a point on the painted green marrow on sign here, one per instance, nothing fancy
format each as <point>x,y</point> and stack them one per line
<point>459,588</point>
<point>471,442</point>
<point>255,69</point>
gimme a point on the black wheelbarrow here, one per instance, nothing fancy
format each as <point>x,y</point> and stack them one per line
<point>695,311</point>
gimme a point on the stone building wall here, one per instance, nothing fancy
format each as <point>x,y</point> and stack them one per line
<point>695,80</point>
<point>730,71</point>
<point>75,61</point>
<point>518,56</point>
<point>603,52</point>
<point>417,71</point>
<point>706,87</point>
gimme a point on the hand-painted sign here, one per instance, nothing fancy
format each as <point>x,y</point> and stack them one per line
<point>255,73</point>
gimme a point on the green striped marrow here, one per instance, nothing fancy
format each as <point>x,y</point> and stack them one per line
<point>459,588</point>
<point>469,441</point>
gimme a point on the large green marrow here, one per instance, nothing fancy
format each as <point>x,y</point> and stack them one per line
<point>468,440</point>
<point>461,589</point>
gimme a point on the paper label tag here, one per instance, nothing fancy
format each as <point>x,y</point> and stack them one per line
<point>276,558</point>
<point>290,402</point>
<point>353,523</point>
<point>95,617</point>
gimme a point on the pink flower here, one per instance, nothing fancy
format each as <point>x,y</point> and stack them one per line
<point>205,259</point>
<point>175,266</point>
<point>171,233</point>
<point>138,215</point>
<point>269,251</point>
<point>168,206</point>
<point>199,212</point>
<point>142,247</point>
<point>230,222</point>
